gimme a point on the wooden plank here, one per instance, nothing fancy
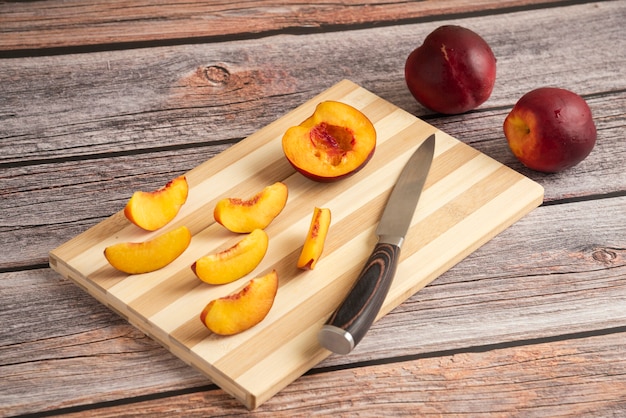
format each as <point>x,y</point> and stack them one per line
<point>60,347</point>
<point>485,299</point>
<point>541,379</point>
<point>468,199</point>
<point>50,203</point>
<point>54,24</point>
<point>83,105</point>
<point>145,141</point>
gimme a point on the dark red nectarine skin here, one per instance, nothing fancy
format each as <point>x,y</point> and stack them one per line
<point>560,131</point>
<point>322,179</point>
<point>453,71</point>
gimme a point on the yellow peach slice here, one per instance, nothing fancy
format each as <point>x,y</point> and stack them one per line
<point>242,216</point>
<point>314,242</point>
<point>153,210</point>
<point>147,256</point>
<point>235,262</point>
<point>242,310</point>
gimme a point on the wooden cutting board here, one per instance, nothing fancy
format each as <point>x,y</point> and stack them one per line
<point>468,199</point>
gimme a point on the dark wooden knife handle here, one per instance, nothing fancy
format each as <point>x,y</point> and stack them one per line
<point>351,321</point>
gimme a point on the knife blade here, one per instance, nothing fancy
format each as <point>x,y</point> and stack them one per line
<point>351,321</point>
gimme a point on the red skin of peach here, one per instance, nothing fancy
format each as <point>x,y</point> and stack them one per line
<point>550,129</point>
<point>453,71</point>
<point>322,179</point>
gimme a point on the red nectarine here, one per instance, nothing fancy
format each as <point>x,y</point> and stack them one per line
<point>453,71</point>
<point>550,129</point>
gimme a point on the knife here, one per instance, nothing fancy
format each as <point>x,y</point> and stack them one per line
<point>351,321</point>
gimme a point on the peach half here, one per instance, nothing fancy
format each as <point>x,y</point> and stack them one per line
<point>147,256</point>
<point>314,242</point>
<point>242,310</point>
<point>333,143</point>
<point>153,210</point>
<point>235,262</point>
<point>243,216</point>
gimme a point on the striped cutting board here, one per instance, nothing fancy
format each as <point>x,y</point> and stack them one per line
<point>468,199</point>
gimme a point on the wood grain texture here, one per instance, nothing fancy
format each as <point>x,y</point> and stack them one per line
<point>80,132</point>
<point>476,303</point>
<point>91,105</point>
<point>541,379</point>
<point>54,24</point>
<point>466,195</point>
<point>577,266</point>
<point>89,133</point>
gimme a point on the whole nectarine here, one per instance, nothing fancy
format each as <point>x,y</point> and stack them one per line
<point>550,129</point>
<point>453,71</point>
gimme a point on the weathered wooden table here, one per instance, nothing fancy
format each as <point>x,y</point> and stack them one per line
<point>101,99</point>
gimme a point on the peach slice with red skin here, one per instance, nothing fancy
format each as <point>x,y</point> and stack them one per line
<point>234,263</point>
<point>147,256</point>
<point>243,216</point>
<point>314,242</point>
<point>153,210</point>
<point>333,143</point>
<point>242,310</point>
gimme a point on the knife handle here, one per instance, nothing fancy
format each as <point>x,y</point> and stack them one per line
<point>351,321</point>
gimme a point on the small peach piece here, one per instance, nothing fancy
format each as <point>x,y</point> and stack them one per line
<point>244,216</point>
<point>153,210</point>
<point>235,262</point>
<point>147,256</point>
<point>314,242</point>
<point>242,310</point>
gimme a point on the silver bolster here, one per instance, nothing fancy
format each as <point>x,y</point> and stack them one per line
<point>391,239</point>
<point>335,339</point>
